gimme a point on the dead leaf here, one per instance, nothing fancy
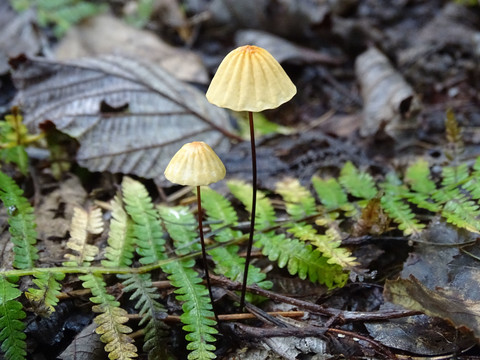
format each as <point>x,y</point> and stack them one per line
<point>147,113</point>
<point>283,50</point>
<point>440,280</point>
<point>446,303</point>
<point>18,35</point>
<point>85,346</point>
<point>55,211</point>
<point>420,334</point>
<point>105,34</point>
<point>389,100</point>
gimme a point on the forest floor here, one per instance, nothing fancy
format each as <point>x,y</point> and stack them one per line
<point>381,85</point>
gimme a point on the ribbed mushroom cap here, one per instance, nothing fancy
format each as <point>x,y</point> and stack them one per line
<point>195,164</point>
<point>250,79</point>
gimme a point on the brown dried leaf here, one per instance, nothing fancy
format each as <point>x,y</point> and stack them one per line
<point>446,303</point>
<point>388,99</point>
<point>129,116</point>
<point>440,280</point>
<point>105,34</point>
<point>85,346</point>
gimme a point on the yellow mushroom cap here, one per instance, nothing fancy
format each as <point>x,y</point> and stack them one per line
<point>250,79</point>
<point>195,164</point>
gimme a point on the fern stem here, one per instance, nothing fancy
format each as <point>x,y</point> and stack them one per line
<point>254,203</point>
<point>204,252</point>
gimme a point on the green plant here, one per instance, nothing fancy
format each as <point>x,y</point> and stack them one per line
<point>61,14</point>
<point>14,138</point>
<point>304,236</point>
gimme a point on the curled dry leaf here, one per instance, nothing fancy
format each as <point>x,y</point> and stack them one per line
<point>129,116</point>
<point>105,34</point>
<point>389,100</point>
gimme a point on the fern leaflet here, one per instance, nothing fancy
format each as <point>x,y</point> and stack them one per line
<point>110,322</point>
<point>265,214</point>
<point>182,228</point>
<point>197,309</point>
<point>22,223</point>
<point>121,239</point>
<point>12,328</point>
<point>298,200</point>
<point>147,229</point>
<point>330,193</point>
<point>220,210</point>
<point>358,183</point>
<point>84,224</point>
<point>48,290</point>
<point>328,244</point>
<point>472,185</point>
<point>394,205</point>
<point>300,259</point>
<point>146,297</point>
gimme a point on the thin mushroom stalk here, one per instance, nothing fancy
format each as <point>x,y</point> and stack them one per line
<point>204,251</point>
<point>196,164</point>
<point>250,79</point>
<point>254,207</point>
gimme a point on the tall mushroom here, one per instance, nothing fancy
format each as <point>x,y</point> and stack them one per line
<point>250,79</point>
<point>196,164</point>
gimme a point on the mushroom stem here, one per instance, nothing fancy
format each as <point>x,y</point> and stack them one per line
<point>254,205</point>
<point>204,252</point>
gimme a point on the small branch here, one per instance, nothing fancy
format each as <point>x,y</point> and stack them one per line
<point>229,317</point>
<point>318,309</point>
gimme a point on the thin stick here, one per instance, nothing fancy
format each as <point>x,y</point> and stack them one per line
<point>254,205</point>
<point>204,252</point>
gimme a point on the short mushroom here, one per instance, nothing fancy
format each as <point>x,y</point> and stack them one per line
<point>196,164</point>
<point>250,79</point>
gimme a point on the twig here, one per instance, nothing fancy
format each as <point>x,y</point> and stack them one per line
<point>318,309</point>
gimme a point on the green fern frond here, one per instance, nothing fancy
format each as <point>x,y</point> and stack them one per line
<point>458,209</point>
<point>22,223</point>
<point>84,224</point>
<point>220,210</point>
<point>358,183</point>
<point>230,264</point>
<point>12,328</point>
<point>147,228</point>
<point>328,244</point>
<point>451,175</point>
<point>265,214</point>
<point>418,177</point>
<point>394,205</point>
<point>181,225</point>
<point>330,193</point>
<point>48,288</point>
<point>300,259</point>
<point>110,322</point>
<point>146,297</point>
<point>299,201</point>
<point>472,185</point>
<point>121,240</point>
<point>197,309</point>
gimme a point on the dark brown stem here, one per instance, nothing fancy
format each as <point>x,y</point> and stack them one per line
<point>254,205</point>
<point>204,252</point>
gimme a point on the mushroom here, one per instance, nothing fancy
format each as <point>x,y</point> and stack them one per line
<point>196,164</point>
<point>250,79</point>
